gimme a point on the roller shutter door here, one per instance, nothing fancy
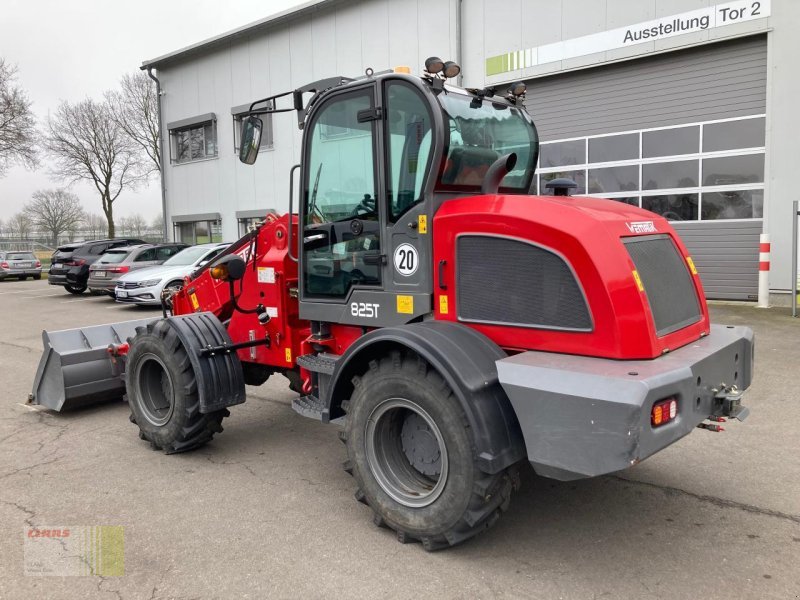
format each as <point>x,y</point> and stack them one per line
<point>722,80</point>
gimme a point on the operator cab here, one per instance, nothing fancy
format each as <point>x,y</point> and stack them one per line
<point>380,154</point>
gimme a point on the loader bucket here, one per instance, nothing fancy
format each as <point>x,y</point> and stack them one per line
<point>76,368</point>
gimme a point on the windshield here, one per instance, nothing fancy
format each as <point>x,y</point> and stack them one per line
<point>480,133</point>
<point>21,256</point>
<point>189,256</point>
<point>112,258</point>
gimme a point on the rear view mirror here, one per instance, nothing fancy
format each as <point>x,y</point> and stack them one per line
<point>251,139</point>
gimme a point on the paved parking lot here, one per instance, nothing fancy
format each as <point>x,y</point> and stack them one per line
<point>265,509</point>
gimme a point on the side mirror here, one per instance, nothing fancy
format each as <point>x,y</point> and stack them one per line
<point>250,139</point>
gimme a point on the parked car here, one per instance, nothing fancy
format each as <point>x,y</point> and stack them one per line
<point>20,265</point>
<point>114,263</point>
<point>70,263</point>
<point>145,285</point>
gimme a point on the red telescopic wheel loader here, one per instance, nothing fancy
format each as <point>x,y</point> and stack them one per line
<point>455,324</point>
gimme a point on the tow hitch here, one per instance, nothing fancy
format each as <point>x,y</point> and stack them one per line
<point>727,403</point>
<point>729,399</point>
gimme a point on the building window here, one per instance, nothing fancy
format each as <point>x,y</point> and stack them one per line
<point>193,139</point>
<point>198,232</point>
<point>239,113</point>
<point>247,224</point>
<point>697,171</point>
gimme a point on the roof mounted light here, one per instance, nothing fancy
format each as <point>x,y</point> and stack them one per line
<point>518,88</point>
<point>434,65</point>
<point>451,69</point>
<point>403,69</point>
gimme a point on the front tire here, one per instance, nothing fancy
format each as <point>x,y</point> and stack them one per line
<point>410,450</point>
<point>162,392</point>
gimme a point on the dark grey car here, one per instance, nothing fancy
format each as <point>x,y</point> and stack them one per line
<point>114,263</point>
<point>20,265</point>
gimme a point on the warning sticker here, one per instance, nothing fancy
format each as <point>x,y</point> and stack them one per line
<point>405,305</point>
<point>272,311</point>
<point>638,280</point>
<point>443,308</point>
<point>266,275</point>
<point>690,262</point>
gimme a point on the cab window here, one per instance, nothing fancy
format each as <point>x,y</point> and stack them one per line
<point>408,146</point>
<point>341,234</point>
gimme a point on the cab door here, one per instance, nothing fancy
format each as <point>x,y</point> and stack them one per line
<point>350,226</point>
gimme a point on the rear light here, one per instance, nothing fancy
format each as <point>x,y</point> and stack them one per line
<point>75,263</point>
<point>663,411</point>
<point>4,265</point>
<point>123,269</point>
<point>38,264</point>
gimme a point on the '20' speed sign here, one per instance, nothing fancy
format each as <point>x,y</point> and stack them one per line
<point>406,259</point>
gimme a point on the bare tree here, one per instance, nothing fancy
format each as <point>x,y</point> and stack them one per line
<point>54,211</point>
<point>94,226</point>
<point>135,110</point>
<point>17,123</point>
<point>124,225</point>
<point>88,144</point>
<point>137,224</point>
<point>19,225</point>
<point>158,224</point>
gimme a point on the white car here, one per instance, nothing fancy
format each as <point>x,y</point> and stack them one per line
<point>145,285</point>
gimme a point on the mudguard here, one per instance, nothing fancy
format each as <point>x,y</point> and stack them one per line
<point>219,375</point>
<point>467,360</point>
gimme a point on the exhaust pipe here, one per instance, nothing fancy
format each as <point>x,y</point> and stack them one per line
<point>77,369</point>
<point>499,169</point>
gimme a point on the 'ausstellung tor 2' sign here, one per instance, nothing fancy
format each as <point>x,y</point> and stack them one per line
<point>720,15</point>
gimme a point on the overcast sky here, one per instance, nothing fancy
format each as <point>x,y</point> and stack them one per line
<point>68,50</point>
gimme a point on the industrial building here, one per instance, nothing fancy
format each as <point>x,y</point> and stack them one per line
<point>683,107</point>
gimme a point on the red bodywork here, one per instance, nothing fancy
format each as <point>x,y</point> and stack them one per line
<point>586,232</point>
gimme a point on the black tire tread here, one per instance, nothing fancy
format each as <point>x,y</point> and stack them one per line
<point>199,428</point>
<point>491,494</point>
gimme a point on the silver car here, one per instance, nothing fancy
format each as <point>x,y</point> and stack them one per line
<point>113,264</point>
<point>20,265</point>
<point>145,286</point>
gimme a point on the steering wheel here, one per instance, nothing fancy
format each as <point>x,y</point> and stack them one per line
<point>368,205</point>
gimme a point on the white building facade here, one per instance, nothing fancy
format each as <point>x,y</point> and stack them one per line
<point>683,107</point>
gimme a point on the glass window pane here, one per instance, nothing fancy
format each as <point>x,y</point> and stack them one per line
<point>562,153</point>
<point>731,170</point>
<point>409,146</point>
<point>614,147</point>
<point>578,177</point>
<point>748,133</point>
<point>614,179</point>
<point>182,153</point>
<point>674,207</point>
<point>669,142</point>
<point>201,232</point>
<point>210,136</point>
<point>198,143</point>
<point>660,176</point>
<point>745,204</point>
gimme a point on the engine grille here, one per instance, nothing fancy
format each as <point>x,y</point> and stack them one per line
<point>666,280</point>
<point>511,282</point>
<point>128,285</point>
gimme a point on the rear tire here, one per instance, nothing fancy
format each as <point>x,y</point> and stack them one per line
<point>162,392</point>
<point>410,450</point>
<point>22,277</point>
<point>75,289</point>
<point>37,277</point>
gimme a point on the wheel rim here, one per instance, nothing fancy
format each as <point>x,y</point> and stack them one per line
<point>155,390</point>
<point>406,452</point>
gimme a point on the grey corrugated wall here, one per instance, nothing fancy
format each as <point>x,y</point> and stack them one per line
<point>726,256</point>
<point>715,81</point>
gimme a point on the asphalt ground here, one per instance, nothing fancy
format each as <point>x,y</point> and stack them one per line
<point>265,510</point>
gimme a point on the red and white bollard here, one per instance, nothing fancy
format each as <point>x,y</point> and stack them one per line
<point>763,271</point>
